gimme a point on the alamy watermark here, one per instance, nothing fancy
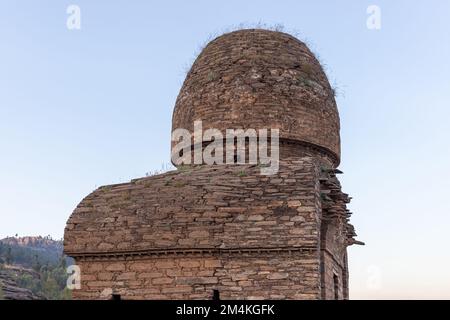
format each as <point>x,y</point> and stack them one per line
<point>73,21</point>
<point>374,278</point>
<point>373,21</point>
<point>236,147</point>
<point>74,278</point>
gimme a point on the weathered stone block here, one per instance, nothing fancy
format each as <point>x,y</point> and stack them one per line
<point>117,266</point>
<point>277,276</point>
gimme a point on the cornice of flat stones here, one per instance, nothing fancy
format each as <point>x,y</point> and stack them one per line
<point>297,143</point>
<point>162,253</point>
<point>333,157</point>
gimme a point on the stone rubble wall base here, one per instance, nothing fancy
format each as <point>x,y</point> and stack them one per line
<point>290,276</point>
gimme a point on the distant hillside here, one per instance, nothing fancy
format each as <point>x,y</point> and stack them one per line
<point>11,289</point>
<point>33,268</point>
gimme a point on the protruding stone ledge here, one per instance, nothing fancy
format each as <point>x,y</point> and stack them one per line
<point>161,253</point>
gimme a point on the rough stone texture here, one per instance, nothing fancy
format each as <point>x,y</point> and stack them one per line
<point>201,207</point>
<point>248,236</point>
<point>236,276</point>
<point>261,79</point>
<point>10,290</point>
<point>186,233</point>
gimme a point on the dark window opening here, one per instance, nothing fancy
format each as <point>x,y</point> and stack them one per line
<point>115,297</point>
<point>336,287</point>
<point>216,295</point>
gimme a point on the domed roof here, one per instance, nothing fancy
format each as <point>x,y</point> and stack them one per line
<point>259,79</point>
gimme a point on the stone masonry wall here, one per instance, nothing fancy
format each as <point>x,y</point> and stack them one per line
<point>336,234</point>
<point>256,79</point>
<point>231,206</point>
<point>244,276</point>
<point>262,232</point>
<point>333,278</point>
<point>280,226</point>
<point>188,232</point>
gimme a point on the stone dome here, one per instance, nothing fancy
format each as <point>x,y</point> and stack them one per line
<point>259,79</point>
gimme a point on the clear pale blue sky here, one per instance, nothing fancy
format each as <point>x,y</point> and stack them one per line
<point>80,109</point>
